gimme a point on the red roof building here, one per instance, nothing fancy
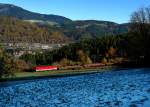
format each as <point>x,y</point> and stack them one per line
<point>45,68</point>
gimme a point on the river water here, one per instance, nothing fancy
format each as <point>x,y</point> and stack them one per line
<point>112,88</point>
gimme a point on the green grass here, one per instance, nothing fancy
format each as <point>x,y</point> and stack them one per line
<point>53,74</point>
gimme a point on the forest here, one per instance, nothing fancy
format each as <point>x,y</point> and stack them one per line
<point>133,46</point>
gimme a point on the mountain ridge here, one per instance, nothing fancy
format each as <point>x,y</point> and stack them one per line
<point>11,6</point>
<point>75,30</point>
<point>20,13</point>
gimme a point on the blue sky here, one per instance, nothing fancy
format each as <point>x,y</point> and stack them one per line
<point>109,10</point>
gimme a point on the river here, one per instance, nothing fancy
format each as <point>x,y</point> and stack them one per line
<point>112,88</point>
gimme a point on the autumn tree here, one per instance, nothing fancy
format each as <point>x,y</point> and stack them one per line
<point>84,58</point>
<point>7,65</point>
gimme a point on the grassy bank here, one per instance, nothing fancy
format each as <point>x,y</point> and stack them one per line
<point>54,74</point>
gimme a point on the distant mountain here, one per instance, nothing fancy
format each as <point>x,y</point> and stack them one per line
<point>74,30</point>
<point>77,30</point>
<point>93,28</point>
<point>13,30</point>
<point>20,13</point>
<point>102,27</point>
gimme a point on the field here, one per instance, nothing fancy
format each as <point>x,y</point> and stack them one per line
<point>55,73</point>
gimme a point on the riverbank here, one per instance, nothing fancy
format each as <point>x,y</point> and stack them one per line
<point>54,74</point>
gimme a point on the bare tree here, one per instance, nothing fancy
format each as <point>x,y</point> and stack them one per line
<point>140,29</point>
<point>140,21</point>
